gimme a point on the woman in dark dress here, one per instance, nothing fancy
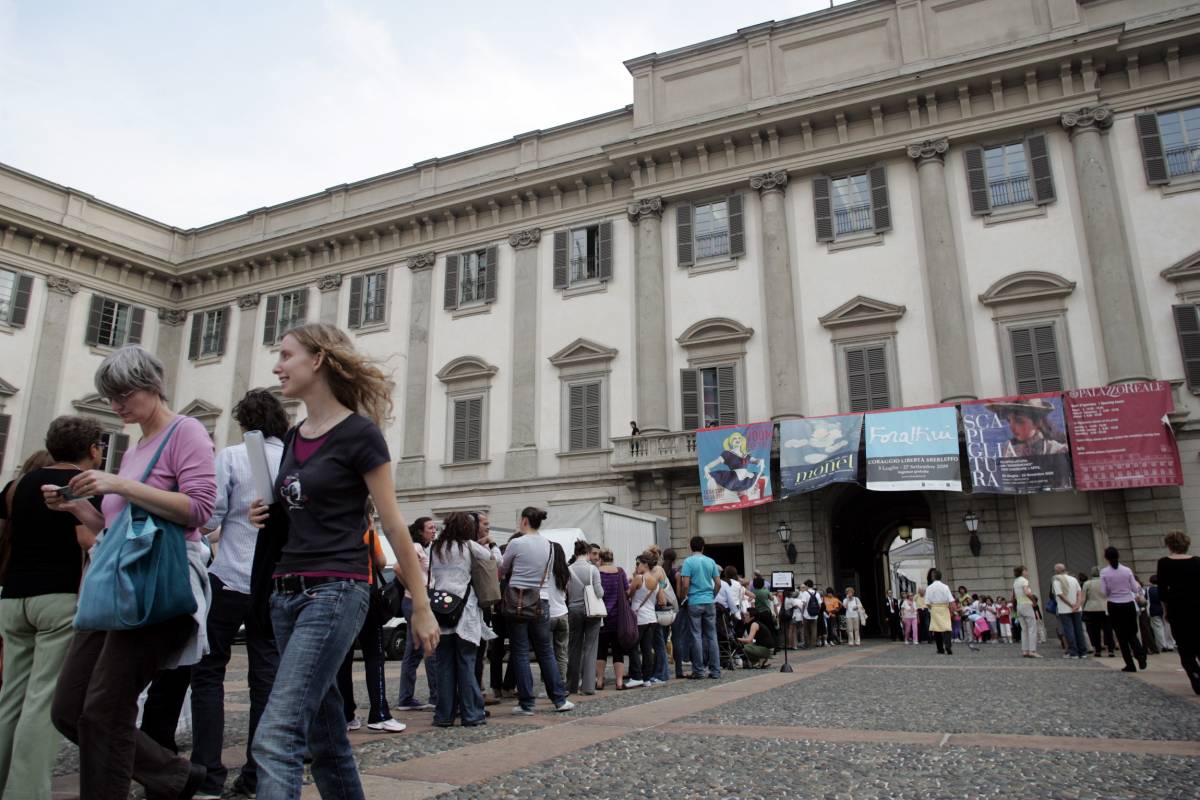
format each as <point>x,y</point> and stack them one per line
<point>1179,592</point>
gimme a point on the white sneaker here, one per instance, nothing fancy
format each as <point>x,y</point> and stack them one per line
<point>354,724</point>
<point>566,706</point>
<point>633,683</point>
<point>386,726</point>
<point>522,712</point>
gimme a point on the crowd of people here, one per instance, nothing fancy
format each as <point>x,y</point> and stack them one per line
<point>301,572</point>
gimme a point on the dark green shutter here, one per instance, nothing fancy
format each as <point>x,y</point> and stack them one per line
<point>877,378</point>
<point>460,431</point>
<point>272,319</point>
<point>881,210</point>
<point>95,315</point>
<point>450,295</point>
<point>1046,346</point>
<point>977,187</point>
<point>1187,325</point>
<point>221,342</point>
<point>1035,359</point>
<point>1039,166</point>
<point>22,288</point>
<point>604,257</point>
<point>379,309</point>
<point>822,208</point>
<point>684,246</point>
<point>137,321</point>
<point>489,281</point>
<point>356,301</point>
<point>689,389</point>
<point>576,422</point>
<point>592,416</point>
<point>858,392</point>
<point>737,226</point>
<point>562,259</point>
<point>197,333</point>
<point>1153,159</point>
<point>727,413</point>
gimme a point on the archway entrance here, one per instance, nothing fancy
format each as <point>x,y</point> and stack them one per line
<point>862,528</point>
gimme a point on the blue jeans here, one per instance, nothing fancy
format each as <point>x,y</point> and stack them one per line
<point>704,639</point>
<point>1072,628</point>
<point>455,678</point>
<point>660,652</point>
<point>681,636</point>
<point>520,634</point>
<point>408,667</point>
<point>314,629</point>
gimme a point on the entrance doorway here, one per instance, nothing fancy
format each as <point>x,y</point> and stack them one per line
<point>1074,547</point>
<point>727,554</point>
<point>862,527</point>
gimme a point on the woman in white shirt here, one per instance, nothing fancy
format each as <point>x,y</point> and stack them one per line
<point>908,618</point>
<point>939,597</point>
<point>854,611</point>
<point>644,593</point>
<point>556,593</point>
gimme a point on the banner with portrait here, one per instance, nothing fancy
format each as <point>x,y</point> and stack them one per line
<point>818,451</point>
<point>1121,437</point>
<point>1018,445</point>
<point>913,449</point>
<point>735,465</point>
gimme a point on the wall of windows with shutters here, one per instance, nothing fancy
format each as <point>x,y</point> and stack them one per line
<point>369,302</point>
<point>866,371</point>
<point>284,310</point>
<point>468,429</point>
<point>209,333</point>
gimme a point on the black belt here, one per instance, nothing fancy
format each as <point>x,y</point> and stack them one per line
<point>294,584</point>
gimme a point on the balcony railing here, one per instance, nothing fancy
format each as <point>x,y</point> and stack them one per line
<point>711,245</point>
<point>1183,160</point>
<point>660,450</point>
<point>852,219</point>
<point>1010,191</point>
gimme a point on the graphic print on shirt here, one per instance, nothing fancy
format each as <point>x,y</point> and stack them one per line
<point>292,492</point>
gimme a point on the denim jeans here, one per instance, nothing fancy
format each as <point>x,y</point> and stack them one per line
<point>1072,628</point>
<point>663,672</point>
<point>537,634</point>
<point>314,629</point>
<point>229,610</point>
<point>408,667</point>
<point>455,678</point>
<point>681,638</point>
<point>641,657</point>
<point>704,639</point>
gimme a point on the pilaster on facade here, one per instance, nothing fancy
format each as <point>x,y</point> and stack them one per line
<point>645,208</point>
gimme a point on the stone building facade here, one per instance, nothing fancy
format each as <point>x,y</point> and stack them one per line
<point>887,203</point>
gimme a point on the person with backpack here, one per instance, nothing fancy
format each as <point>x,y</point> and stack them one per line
<point>810,604</point>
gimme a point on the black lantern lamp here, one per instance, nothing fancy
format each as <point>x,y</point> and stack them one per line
<point>971,520</point>
<point>784,532</point>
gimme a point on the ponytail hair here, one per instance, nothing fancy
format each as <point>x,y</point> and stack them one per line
<point>536,516</point>
<point>1112,555</point>
<point>358,382</point>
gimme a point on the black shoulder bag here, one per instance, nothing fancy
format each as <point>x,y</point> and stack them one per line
<point>447,608</point>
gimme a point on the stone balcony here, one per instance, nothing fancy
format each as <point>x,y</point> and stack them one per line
<point>651,451</point>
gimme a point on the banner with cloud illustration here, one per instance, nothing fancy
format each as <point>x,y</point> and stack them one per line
<point>735,465</point>
<point>818,451</point>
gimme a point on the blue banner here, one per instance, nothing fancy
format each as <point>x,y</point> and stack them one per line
<point>735,465</point>
<point>1018,445</point>
<point>817,452</point>
<point>913,449</point>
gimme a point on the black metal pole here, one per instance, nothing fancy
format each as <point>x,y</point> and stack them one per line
<point>786,666</point>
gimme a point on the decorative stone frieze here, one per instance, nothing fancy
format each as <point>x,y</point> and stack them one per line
<point>769,181</point>
<point>171,316</point>
<point>62,285</point>
<point>248,301</point>
<point>646,207</point>
<point>330,282</point>
<point>526,238</point>
<point>929,150</point>
<point>420,261</point>
<point>1088,118</point>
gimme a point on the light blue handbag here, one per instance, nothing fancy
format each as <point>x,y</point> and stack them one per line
<point>139,573</point>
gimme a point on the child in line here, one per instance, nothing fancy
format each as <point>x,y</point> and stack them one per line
<point>1004,618</point>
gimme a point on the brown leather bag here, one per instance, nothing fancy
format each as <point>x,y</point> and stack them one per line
<point>524,604</point>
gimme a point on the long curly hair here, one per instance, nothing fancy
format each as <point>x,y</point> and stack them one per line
<point>358,382</point>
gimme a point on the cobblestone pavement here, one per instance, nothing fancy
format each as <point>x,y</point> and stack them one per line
<point>881,721</point>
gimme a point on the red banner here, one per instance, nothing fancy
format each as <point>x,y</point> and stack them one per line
<point>1120,436</point>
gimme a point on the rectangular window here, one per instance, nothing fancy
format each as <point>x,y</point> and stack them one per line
<point>212,333</point>
<point>285,310</point>
<point>115,321</point>
<point>1180,132</point>
<point>472,277</point>
<point>709,396</point>
<point>468,430</point>
<point>8,286</point>
<point>113,446</point>
<point>1007,170</point>
<point>374,305</point>
<point>852,204</point>
<point>584,416</point>
<point>585,253</point>
<point>712,230</point>
<point>1035,359</point>
<point>868,384</point>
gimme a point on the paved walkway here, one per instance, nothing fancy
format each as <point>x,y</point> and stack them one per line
<point>881,721</point>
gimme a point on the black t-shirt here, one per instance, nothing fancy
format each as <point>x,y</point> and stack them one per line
<point>326,498</point>
<point>763,636</point>
<point>46,557</point>
<point>1179,588</point>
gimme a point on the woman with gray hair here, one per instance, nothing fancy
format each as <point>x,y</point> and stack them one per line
<point>95,705</point>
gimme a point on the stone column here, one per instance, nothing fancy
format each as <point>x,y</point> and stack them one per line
<point>1108,253</point>
<point>650,318</point>
<point>47,364</point>
<point>943,272</point>
<point>521,459</point>
<point>329,286</point>
<point>243,361</point>
<point>783,342</point>
<point>170,344</point>
<point>410,471</point>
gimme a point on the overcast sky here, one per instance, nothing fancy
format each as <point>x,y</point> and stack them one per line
<point>193,112</point>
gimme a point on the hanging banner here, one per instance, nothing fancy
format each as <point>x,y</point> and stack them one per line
<point>915,448</point>
<point>1121,438</point>
<point>817,452</point>
<point>1017,445</point>
<point>735,465</point>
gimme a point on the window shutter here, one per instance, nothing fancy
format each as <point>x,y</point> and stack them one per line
<point>822,208</point>
<point>727,395</point>
<point>5,424</point>
<point>1039,165</point>
<point>1046,350</point>
<point>301,308</point>
<point>591,416</point>
<point>737,226</point>
<point>689,388</point>
<point>196,334</point>
<point>562,259</point>
<point>137,321</point>
<point>356,301</point>
<point>20,303</point>
<point>474,448</point>
<point>605,256</point>
<point>879,391</point>
<point>460,431</point>
<point>1035,359</point>
<point>1187,325</point>
<point>858,392</point>
<point>489,282</point>
<point>118,444</point>
<point>379,309</point>
<point>92,336</point>
<point>272,318</point>
<point>450,295</point>
<point>1153,159</point>
<point>881,209</point>
<point>684,246</point>
<point>576,418</point>
<point>1024,364</point>
<point>977,181</point>
<point>224,338</point>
